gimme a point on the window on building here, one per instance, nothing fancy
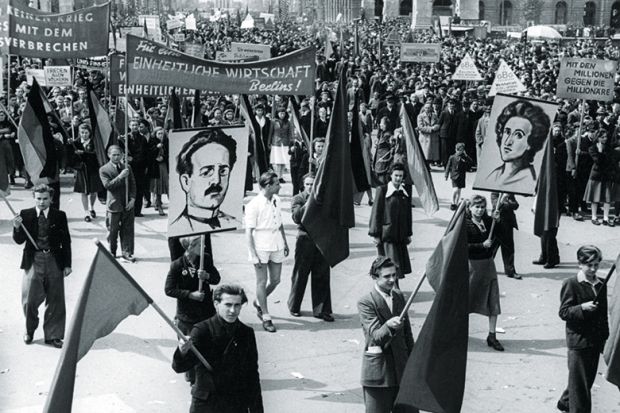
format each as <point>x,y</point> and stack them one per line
<point>481,10</point>
<point>589,17</point>
<point>506,13</point>
<point>560,12</point>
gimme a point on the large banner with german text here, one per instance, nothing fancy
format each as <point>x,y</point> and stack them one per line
<point>78,34</point>
<point>152,63</point>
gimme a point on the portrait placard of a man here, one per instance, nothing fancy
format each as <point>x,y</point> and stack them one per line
<point>206,192</point>
<point>512,151</point>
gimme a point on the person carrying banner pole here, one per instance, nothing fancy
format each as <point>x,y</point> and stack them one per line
<point>127,123</point>
<point>312,111</point>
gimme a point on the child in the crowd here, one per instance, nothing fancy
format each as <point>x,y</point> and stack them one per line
<point>584,308</point>
<point>456,168</point>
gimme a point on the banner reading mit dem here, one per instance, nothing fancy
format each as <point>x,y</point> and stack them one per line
<point>151,63</point>
<point>34,33</point>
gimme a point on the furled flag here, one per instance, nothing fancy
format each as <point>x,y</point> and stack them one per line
<point>173,119</point>
<point>295,117</point>
<point>547,211</point>
<point>35,137</point>
<point>51,113</point>
<point>196,114</point>
<point>434,377</point>
<point>109,296</point>
<point>417,168</point>
<point>329,50</point>
<point>612,347</point>
<point>360,155</point>
<point>119,115</point>
<point>238,18</point>
<point>329,210</point>
<point>100,125</point>
<point>258,145</point>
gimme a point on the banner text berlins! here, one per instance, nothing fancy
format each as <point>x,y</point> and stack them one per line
<point>151,63</point>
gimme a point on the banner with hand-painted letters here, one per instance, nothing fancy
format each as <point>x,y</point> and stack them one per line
<point>40,34</point>
<point>117,83</point>
<point>155,64</point>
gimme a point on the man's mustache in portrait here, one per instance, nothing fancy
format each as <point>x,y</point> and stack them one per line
<point>216,188</point>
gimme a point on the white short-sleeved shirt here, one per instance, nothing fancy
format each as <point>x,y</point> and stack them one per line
<point>265,217</point>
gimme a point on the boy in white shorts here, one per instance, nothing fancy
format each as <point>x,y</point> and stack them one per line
<point>266,242</point>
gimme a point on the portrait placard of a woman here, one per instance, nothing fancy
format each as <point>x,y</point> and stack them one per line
<point>512,150</point>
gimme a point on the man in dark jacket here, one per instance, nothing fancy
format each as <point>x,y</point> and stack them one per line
<point>448,129</point>
<point>137,157</point>
<point>190,286</point>
<point>308,260</point>
<point>230,383</point>
<point>46,262</point>
<point>584,308</point>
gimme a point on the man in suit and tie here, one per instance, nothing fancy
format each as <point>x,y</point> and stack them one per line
<point>120,208</point>
<point>46,262</point>
<point>308,260</point>
<point>389,340</point>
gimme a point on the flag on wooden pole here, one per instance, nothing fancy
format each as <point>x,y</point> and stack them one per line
<point>109,296</point>
<point>329,210</point>
<point>35,138</point>
<point>417,168</point>
<point>434,377</point>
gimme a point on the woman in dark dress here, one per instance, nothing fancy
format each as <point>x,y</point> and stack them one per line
<point>483,286</point>
<point>158,168</point>
<point>87,181</point>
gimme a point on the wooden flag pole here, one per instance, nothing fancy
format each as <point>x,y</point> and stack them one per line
<point>22,225</point>
<point>202,260</point>
<point>417,288</point>
<point>153,304</point>
<point>609,273</point>
<point>578,149</point>
<point>126,126</point>
<point>499,200</point>
<point>310,149</point>
<point>8,115</point>
<point>183,337</point>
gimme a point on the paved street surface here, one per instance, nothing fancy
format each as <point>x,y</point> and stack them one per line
<point>308,365</point>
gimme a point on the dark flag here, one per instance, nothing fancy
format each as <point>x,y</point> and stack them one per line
<point>109,296</point>
<point>36,141</point>
<point>360,161</point>
<point>417,168</point>
<point>612,347</point>
<point>238,18</point>
<point>100,125</point>
<point>51,113</point>
<point>295,118</point>
<point>258,146</point>
<point>329,210</point>
<point>173,114</point>
<point>547,211</point>
<point>434,378</point>
<point>196,115</point>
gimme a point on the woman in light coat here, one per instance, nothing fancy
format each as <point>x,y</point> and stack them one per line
<point>428,132</point>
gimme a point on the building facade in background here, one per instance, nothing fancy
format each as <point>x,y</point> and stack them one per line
<point>507,12</point>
